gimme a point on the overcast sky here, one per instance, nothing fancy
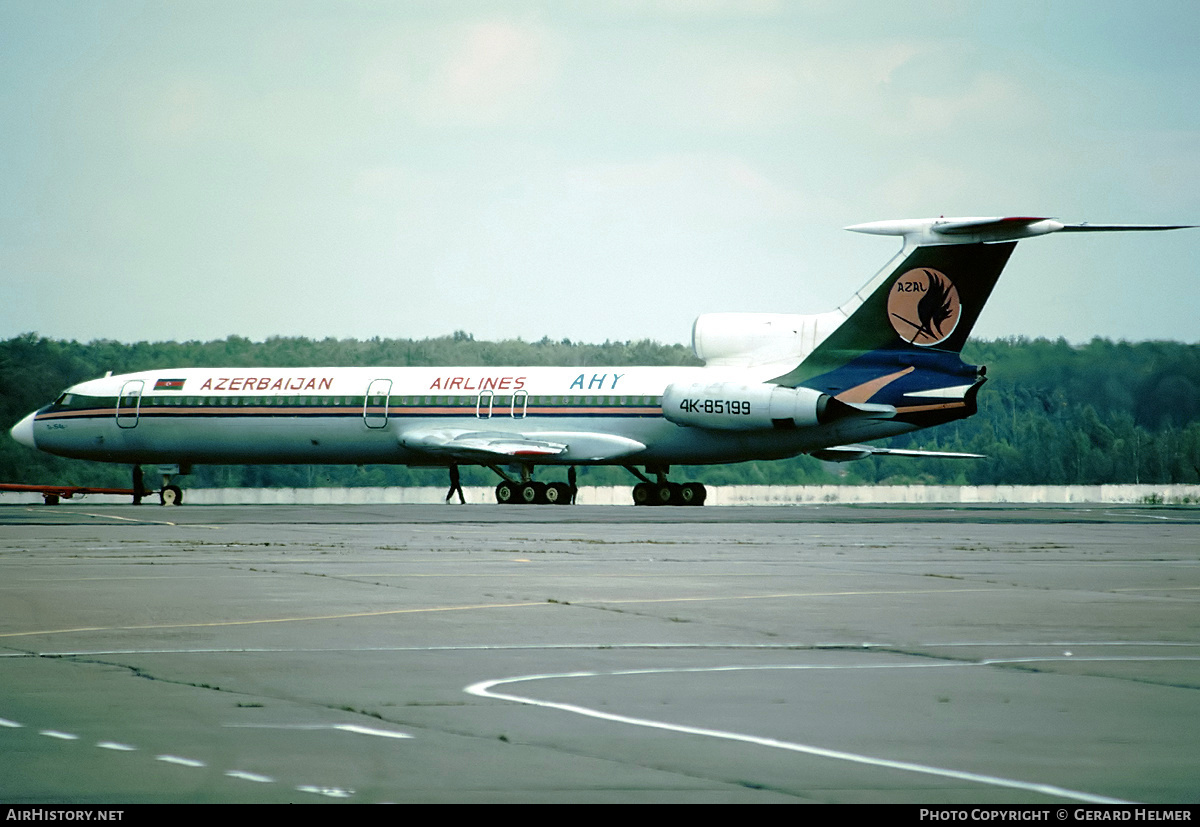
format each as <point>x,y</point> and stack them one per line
<point>593,170</point>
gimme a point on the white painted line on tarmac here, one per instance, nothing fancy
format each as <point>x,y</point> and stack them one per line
<point>183,762</point>
<point>244,775</point>
<point>250,776</point>
<point>328,792</point>
<point>297,619</point>
<point>1158,589</point>
<point>362,730</point>
<point>1087,659</point>
<point>126,519</point>
<point>1058,643</point>
<point>483,689</point>
<point>357,729</point>
<point>62,736</point>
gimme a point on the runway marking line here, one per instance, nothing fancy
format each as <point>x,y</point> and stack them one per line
<point>249,776</point>
<point>348,615</point>
<point>328,792</point>
<point>782,594</point>
<point>183,762</point>
<point>127,519</point>
<point>386,612</point>
<point>357,729</point>
<point>483,689</point>
<point>496,647</point>
<point>116,746</point>
<point>62,736</point>
<point>1159,589</point>
<point>363,730</point>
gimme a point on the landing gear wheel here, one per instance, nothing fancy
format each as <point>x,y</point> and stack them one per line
<point>643,494</point>
<point>668,493</point>
<point>693,493</point>
<point>532,492</point>
<point>558,493</point>
<point>171,495</point>
<point>506,493</point>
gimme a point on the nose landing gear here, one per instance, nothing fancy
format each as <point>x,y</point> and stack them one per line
<point>169,494</point>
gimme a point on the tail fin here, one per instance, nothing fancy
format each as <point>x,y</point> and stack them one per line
<point>920,309</point>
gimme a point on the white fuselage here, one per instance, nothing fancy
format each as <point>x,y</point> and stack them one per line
<point>396,415</point>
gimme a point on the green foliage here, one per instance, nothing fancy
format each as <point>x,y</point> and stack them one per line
<point>1050,413</point>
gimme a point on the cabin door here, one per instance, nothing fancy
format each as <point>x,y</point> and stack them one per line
<point>129,402</point>
<point>520,403</point>
<point>483,405</point>
<point>375,405</point>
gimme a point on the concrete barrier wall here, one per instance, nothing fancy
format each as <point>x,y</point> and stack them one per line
<point>717,495</point>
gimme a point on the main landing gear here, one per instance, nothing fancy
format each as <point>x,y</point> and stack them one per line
<point>528,491</point>
<point>532,492</point>
<point>664,492</point>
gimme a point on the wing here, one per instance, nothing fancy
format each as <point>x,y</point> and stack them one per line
<point>492,446</point>
<point>845,453</point>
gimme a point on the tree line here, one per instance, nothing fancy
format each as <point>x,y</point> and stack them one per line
<point>1050,413</point>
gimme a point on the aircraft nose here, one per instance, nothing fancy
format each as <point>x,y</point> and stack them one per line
<point>22,432</point>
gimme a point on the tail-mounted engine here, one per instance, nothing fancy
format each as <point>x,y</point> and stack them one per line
<point>730,406</point>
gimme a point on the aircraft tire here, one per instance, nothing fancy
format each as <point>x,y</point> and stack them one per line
<point>558,493</point>
<point>667,493</point>
<point>50,499</point>
<point>506,493</point>
<point>693,493</point>
<point>531,493</point>
<point>171,495</point>
<point>643,494</point>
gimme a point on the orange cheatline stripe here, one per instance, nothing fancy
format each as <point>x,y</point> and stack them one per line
<point>940,407</point>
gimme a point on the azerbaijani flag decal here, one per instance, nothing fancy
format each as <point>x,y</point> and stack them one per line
<point>169,385</point>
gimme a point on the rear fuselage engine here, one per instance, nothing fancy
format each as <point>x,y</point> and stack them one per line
<point>730,406</point>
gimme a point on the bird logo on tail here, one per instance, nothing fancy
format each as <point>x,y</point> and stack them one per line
<point>923,306</point>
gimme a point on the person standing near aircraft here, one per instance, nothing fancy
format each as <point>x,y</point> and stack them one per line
<point>455,485</point>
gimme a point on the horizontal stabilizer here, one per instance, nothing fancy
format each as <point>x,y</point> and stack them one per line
<point>980,225</point>
<point>845,453</point>
<point>922,231</point>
